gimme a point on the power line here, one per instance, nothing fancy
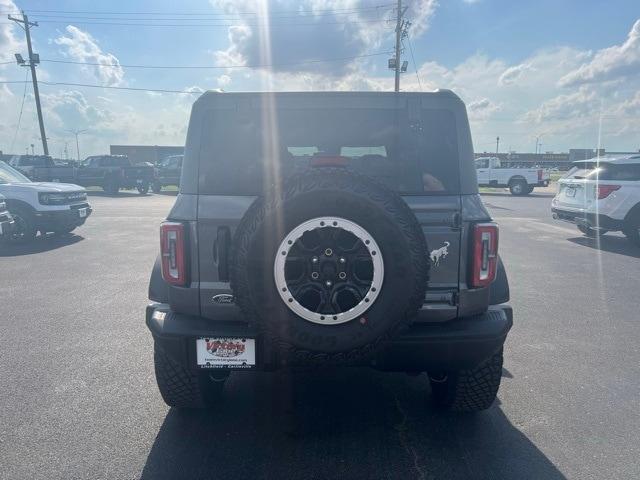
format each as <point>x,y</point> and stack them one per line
<point>212,25</point>
<point>94,12</point>
<point>415,65</point>
<point>216,67</point>
<point>24,94</point>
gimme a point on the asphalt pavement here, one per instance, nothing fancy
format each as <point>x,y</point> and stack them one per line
<point>78,398</point>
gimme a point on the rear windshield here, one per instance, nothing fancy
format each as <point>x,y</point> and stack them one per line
<point>242,151</point>
<point>605,171</point>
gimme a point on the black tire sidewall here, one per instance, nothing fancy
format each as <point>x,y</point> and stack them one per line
<point>387,222</point>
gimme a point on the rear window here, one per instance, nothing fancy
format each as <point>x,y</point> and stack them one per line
<point>243,153</point>
<point>606,172</point>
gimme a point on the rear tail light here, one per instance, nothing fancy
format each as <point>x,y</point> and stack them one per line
<point>540,175</point>
<point>605,190</point>
<point>172,250</point>
<point>485,254</point>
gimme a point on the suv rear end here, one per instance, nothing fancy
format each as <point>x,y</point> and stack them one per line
<point>601,195</point>
<point>244,154</point>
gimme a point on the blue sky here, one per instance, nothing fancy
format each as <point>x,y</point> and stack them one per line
<point>567,71</point>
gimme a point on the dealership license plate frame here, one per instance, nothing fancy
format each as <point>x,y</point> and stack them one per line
<point>82,212</point>
<point>218,352</point>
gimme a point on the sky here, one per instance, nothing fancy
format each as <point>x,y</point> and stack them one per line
<point>566,72</point>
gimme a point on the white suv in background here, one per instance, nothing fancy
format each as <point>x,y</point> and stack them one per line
<point>601,195</point>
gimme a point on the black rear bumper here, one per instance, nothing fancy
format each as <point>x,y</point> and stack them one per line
<point>591,220</point>
<point>445,346</point>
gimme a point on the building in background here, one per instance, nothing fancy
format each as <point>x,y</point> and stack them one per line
<point>145,153</point>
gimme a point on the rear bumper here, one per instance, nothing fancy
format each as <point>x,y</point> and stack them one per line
<point>445,346</point>
<point>591,220</point>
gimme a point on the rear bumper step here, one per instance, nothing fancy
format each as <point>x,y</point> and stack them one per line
<point>445,346</point>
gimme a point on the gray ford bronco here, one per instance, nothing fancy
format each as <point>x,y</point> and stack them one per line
<point>329,229</point>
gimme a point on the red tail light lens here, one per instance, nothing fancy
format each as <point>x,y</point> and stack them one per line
<point>605,190</point>
<point>485,254</point>
<point>540,175</point>
<point>172,250</point>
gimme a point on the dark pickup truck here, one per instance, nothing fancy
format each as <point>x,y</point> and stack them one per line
<point>42,168</point>
<point>168,172</point>
<point>113,172</point>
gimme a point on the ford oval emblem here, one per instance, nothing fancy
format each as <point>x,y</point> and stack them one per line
<point>223,298</point>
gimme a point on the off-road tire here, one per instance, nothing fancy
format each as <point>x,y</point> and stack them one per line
<point>518,188</point>
<point>143,189</point>
<point>25,227</point>
<point>111,186</point>
<point>530,189</point>
<point>469,390</point>
<point>632,228</point>
<point>182,388</point>
<point>324,192</point>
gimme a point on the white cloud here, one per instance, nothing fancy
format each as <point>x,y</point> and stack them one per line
<point>580,104</point>
<point>482,108</point>
<point>223,80</point>
<point>82,47</point>
<point>332,29</point>
<point>612,63</point>
<point>512,74</point>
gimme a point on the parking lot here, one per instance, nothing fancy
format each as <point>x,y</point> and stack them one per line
<point>78,397</point>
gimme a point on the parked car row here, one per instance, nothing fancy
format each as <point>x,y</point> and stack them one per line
<point>30,207</point>
<point>110,172</point>
<point>601,195</point>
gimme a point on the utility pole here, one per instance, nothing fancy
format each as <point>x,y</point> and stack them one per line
<point>497,145</point>
<point>34,59</point>
<point>77,132</point>
<point>398,37</point>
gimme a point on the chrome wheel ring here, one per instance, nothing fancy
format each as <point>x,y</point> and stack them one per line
<point>342,274</point>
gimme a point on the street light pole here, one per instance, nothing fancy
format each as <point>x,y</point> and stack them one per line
<point>77,133</point>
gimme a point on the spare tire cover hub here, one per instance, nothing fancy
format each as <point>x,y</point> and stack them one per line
<point>328,270</point>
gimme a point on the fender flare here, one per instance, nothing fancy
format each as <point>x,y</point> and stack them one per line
<point>499,289</point>
<point>158,288</point>
<point>633,212</point>
<point>13,203</point>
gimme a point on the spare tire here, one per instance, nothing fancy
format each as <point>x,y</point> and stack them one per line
<point>329,265</point>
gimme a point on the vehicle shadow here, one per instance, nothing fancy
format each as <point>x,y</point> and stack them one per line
<point>609,243</point>
<point>507,193</point>
<point>355,423</point>
<point>99,193</point>
<point>42,243</point>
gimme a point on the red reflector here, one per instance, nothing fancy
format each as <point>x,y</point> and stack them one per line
<point>172,251</point>
<point>605,190</point>
<point>485,254</point>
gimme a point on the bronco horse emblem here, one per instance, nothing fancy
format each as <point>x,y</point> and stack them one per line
<point>439,253</point>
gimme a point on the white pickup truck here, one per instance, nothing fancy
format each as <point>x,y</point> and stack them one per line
<point>521,181</point>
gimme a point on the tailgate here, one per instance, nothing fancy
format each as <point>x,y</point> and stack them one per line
<point>575,193</point>
<point>439,217</point>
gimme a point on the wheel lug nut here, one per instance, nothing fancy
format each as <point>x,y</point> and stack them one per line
<point>314,260</point>
<point>314,275</point>
<point>342,275</point>
<point>328,252</point>
<point>343,260</point>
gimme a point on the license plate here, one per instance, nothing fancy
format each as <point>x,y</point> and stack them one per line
<point>570,192</point>
<point>225,352</point>
<point>82,212</point>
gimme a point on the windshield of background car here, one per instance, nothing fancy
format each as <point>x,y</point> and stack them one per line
<point>10,175</point>
<point>410,156</point>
